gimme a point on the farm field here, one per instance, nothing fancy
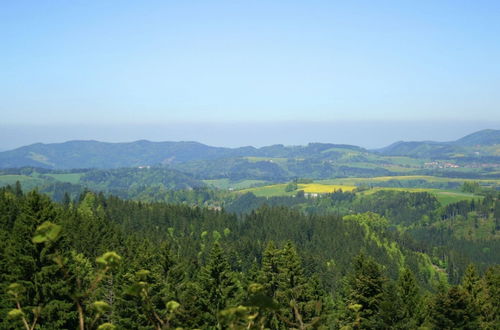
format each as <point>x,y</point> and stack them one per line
<point>73,178</point>
<point>279,189</point>
<point>278,160</point>
<point>428,178</point>
<point>27,182</point>
<point>444,196</point>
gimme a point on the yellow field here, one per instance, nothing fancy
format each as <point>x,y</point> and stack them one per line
<point>279,189</point>
<point>324,188</point>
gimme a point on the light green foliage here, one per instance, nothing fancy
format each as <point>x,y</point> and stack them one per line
<point>15,314</point>
<point>101,306</point>
<point>47,232</point>
<point>216,236</point>
<point>16,290</point>
<point>292,186</point>
<point>370,219</point>
<point>109,259</point>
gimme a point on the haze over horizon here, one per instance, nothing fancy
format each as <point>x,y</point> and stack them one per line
<point>368,134</point>
<point>232,73</point>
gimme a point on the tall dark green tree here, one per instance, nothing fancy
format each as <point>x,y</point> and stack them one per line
<point>402,306</point>
<point>365,295</point>
<point>219,285</point>
<point>31,265</point>
<point>283,278</point>
<point>453,309</point>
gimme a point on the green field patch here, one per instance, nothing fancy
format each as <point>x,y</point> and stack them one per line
<point>361,165</point>
<point>236,185</point>
<point>73,178</point>
<point>397,168</point>
<point>266,159</point>
<point>448,197</point>
<point>428,178</point>
<point>404,161</point>
<point>445,197</point>
<point>27,182</point>
<point>269,191</point>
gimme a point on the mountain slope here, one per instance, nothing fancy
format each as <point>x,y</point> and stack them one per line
<point>94,154</point>
<point>480,143</point>
<point>486,137</point>
<point>103,155</point>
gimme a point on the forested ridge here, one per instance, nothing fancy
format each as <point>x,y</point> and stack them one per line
<point>474,157</point>
<point>102,262</point>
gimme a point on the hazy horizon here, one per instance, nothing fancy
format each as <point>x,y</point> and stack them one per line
<point>367,134</point>
<point>72,68</point>
<point>231,73</point>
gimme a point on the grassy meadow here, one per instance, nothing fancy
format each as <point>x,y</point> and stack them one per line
<point>73,178</point>
<point>444,196</point>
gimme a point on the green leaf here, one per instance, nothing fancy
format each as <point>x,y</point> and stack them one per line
<point>47,232</point>
<point>110,259</point>
<point>15,289</point>
<point>106,326</point>
<point>142,274</point>
<point>172,305</point>
<point>216,235</point>
<point>255,288</point>
<point>101,306</point>
<point>15,314</point>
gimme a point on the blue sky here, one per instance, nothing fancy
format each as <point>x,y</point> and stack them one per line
<point>107,65</point>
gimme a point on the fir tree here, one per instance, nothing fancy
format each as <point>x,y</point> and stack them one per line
<point>366,293</point>
<point>218,283</point>
<point>453,309</point>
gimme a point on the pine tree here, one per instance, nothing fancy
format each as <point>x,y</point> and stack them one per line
<point>218,283</point>
<point>470,283</point>
<point>31,265</point>
<point>453,309</point>
<point>365,296</point>
<point>408,301</point>
<point>283,279</point>
<point>489,299</point>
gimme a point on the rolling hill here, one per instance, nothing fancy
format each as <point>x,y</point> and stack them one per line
<point>484,143</point>
<point>270,163</point>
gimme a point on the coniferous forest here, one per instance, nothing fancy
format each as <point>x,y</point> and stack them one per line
<point>101,262</point>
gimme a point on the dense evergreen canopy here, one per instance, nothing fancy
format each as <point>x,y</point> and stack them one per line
<point>100,262</point>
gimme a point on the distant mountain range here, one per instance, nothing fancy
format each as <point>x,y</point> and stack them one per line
<point>483,143</point>
<point>95,154</point>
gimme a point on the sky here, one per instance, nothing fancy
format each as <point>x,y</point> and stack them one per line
<point>234,73</point>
